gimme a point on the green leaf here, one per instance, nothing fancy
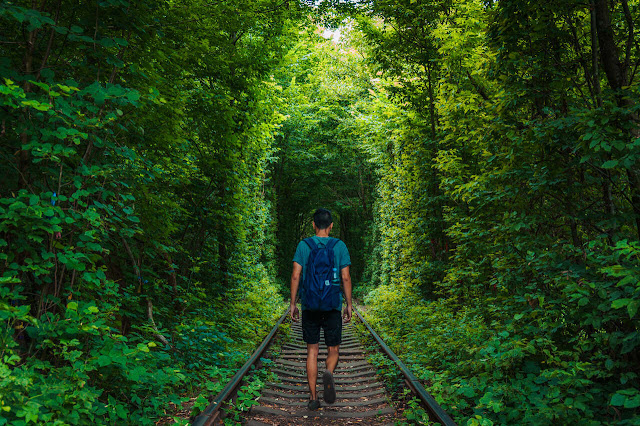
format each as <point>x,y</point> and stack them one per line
<point>610,164</point>
<point>632,402</point>
<point>121,412</point>
<point>133,95</point>
<point>104,360</point>
<point>37,105</point>
<point>468,392</point>
<point>107,42</point>
<point>620,303</point>
<point>618,400</point>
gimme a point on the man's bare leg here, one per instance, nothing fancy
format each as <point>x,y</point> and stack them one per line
<point>332,358</point>
<point>312,368</point>
<point>329,392</point>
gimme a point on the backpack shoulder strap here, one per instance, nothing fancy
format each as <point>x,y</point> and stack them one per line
<point>332,243</point>
<point>312,244</point>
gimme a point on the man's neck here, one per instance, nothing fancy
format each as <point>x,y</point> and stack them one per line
<point>323,233</point>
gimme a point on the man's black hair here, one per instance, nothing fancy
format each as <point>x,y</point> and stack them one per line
<point>322,218</point>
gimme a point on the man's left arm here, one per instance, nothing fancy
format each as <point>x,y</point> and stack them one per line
<point>346,282</point>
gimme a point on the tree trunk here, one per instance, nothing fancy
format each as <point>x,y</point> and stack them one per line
<point>617,73</point>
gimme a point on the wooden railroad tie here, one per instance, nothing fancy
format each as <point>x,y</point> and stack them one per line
<point>360,395</point>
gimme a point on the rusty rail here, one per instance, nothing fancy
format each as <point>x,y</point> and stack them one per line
<point>435,411</point>
<point>210,414</point>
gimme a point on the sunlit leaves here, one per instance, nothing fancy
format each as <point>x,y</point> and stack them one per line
<point>530,177</point>
<point>119,119</point>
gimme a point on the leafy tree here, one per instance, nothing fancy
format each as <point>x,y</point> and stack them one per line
<point>136,138</point>
<point>525,165</point>
<point>161,161</point>
<point>318,161</point>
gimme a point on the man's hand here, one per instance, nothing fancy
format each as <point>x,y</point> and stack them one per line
<point>346,283</point>
<point>346,316</point>
<point>294,313</point>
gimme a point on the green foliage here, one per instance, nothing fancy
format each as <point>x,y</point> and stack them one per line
<point>247,396</point>
<point>161,161</point>
<point>136,243</point>
<point>415,413</point>
<point>83,351</point>
<point>506,223</point>
<point>318,161</point>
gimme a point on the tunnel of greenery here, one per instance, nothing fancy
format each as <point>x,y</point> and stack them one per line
<point>161,160</point>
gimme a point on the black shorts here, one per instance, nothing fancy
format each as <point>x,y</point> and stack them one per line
<point>331,323</point>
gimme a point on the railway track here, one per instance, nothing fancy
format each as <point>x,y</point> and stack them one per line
<point>361,396</point>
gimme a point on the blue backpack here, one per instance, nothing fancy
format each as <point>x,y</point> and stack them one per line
<point>321,285</point>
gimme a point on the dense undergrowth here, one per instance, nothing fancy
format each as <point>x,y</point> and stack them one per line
<point>137,252</point>
<point>505,256</point>
<point>502,259</point>
<point>501,372</point>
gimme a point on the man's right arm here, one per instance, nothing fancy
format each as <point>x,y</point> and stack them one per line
<point>295,283</point>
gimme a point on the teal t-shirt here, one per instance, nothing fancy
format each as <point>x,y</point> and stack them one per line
<point>340,251</point>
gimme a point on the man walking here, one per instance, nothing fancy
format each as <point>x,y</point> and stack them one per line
<point>323,264</point>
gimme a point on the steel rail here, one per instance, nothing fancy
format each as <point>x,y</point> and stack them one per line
<point>209,414</point>
<point>435,411</point>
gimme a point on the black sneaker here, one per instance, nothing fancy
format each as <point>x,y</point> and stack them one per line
<point>313,405</point>
<point>329,393</point>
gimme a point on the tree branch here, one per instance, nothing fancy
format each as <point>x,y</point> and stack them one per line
<point>157,334</point>
<point>630,37</point>
<point>45,58</point>
<point>477,86</point>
